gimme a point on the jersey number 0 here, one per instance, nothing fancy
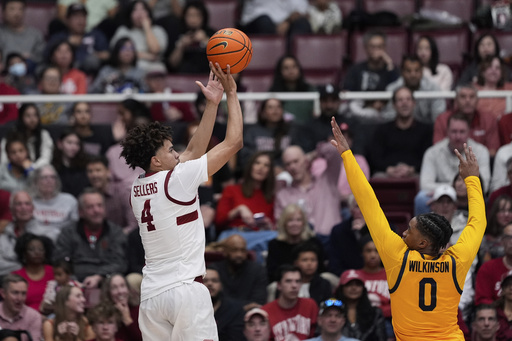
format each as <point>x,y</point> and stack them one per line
<point>430,282</point>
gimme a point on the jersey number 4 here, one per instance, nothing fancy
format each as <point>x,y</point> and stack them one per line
<point>146,216</point>
<point>426,284</point>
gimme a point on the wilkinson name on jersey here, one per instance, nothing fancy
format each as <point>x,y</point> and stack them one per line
<point>417,266</point>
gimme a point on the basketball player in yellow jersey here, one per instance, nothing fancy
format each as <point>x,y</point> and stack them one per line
<point>425,285</point>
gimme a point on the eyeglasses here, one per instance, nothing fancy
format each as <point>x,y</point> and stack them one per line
<point>331,302</point>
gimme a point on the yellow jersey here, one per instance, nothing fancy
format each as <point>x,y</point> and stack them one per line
<point>425,291</point>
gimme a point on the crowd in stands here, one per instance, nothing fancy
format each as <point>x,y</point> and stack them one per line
<point>286,240</point>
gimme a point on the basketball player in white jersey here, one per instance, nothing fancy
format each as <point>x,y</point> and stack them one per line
<point>165,203</point>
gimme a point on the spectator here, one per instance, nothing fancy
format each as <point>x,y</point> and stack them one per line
<point>121,74</point>
<point>504,190</point>
<point>319,196</point>
<point>331,320</point>
<point>324,17</point>
<point>489,275</point>
<point>63,275</point>
<point>69,322</point>
<point>425,110</point>
<point>38,140</point>
<point>34,254</point>
<point>53,209</point>
<point>95,246</point>
<point>498,217</point>
<point>104,319</point>
<point>483,125</point>
<point>150,41</point>
<point>189,52</point>
<point>485,325</point>
<point>96,138</point>
<point>499,177</point>
<point>242,279</point>
<point>15,173</point>
<point>228,312</point>
<point>168,14</point>
<point>462,193</point>
<point>503,306</point>
<point>364,321</point>
<point>397,148</point>
<point>91,47</point>
<point>62,55</point>
<point>272,133</point>
<point>17,76</point>
<point>8,111</point>
<point>69,161</point>
<point>249,204</point>
<point>444,203</point>
<point>256,325</point>
<point>289,77</point>
<point>492,76</point>
<point>115,291</point>
<point>14,313</point>
<point>440,74</point>
<point>16,37</point>
<point>5,214</point>
<point>290,308</point>
<point>117,198</point>
<point>98,11</point>
<point>440,164</point>
<point>50,81</point>
<point>293,229</point>
<point>373,74</point>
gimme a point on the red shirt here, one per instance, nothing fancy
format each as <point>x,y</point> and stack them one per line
<point>299,320</point>
<point>74,82</point>
<point>5,212</point>
<point>36,289</point>
<point>488,281</point>
<point>8,111</point>
<point>378,290</point>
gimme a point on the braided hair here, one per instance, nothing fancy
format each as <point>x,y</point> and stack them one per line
<point>436,228</point>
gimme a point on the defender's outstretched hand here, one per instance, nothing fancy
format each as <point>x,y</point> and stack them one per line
<point>467,166</point>
<point>339,140</point>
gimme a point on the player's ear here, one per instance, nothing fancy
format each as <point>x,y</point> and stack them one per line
<point>155,162</point>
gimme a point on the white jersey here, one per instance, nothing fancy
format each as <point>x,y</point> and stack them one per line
<point>166,207</point>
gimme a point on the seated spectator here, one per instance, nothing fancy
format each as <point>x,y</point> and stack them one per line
<point>324,17</point>
<point>256,325</point>
<point>168,15</point>
<point>503,306</point>
<point>121,73</point>
<point>14,174</point>
<point>16,75</point>
<point>373,74</point>
<point>444,203</point>
<point>249,205</point>
<point>489,275</point>
<point>504,190</point>
<point>8,111</point>
<point>242,279</point>
<point>398,146</point>
<point>492,76</point>
<point>293,229</point>
<point>332,318</point>
<point>189,52</point>
<point>62,55</point>
<point>34,253</point>
<point>116,292</point>
<point>499,170</point>
<point>69,322</point>
<point>91,47</point>
<point>98,11</point>
<point>150,40</point>
<point>95,246</point>
<point>290,308</point>
<point>63,275</point>
<point>440,74</point>
<point>364,321</point>
<point>117,198</point>
<point>69,161</point>
<point>96,138</point>
<point>14,313</point>
<point>425,110</point>
<point>228,312</point>
<point>272,133</point>
<point>483,125</point>
<point>499,216</point>
<point>53,209</point>
<point>288,77</point>
<point>104,319</point>
<point>487,324</point>
<point>38,140</point>
<point>15,36</point>
<point>50,81</point>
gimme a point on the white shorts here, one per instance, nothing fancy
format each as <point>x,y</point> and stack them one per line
<point>183,313</point>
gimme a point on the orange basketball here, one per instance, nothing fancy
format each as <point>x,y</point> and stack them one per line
<point>230,46</point>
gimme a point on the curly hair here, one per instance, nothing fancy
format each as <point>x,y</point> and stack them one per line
<point>436,228</point>
<point>142,142</point>
<point>21,247</point>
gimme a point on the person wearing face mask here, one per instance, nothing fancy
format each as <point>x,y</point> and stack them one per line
<point>8,111</point>
<point>16,74</point>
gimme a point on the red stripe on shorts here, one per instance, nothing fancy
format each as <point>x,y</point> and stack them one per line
<point>187,218</point>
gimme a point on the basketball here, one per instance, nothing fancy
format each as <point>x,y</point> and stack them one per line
<point>230,46</point>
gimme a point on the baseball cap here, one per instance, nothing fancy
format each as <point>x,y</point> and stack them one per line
<point>255,311</point>
<point>329,90</point>
<point>156,70</point>
<point>75,8</point>
<point>331,303</point>
<point>443,190</point>
<point>506,277</point>
<point>349,275</point>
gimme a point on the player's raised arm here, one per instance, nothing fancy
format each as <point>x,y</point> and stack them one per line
<point>233,142</point>
<point>339,140</point>
<point>467,166</point>
<point>199,142</point>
